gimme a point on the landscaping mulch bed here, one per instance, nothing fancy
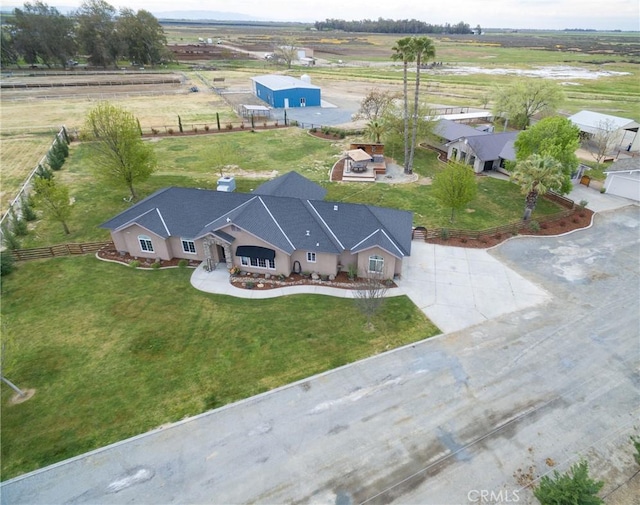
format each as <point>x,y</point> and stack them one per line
<point>109,253</point>
<point>581,218</point>
<point>260,282</point>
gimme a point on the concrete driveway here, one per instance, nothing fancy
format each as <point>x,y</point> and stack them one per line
<point>459,287</point>
<point>437,422</point>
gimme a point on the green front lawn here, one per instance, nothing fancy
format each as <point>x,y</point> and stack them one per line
<point>113,351</point>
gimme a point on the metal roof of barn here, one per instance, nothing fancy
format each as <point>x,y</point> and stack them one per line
<point>281,82</point>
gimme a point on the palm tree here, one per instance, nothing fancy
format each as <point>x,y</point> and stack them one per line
<point>403,51</point>
<point>375,129</point>
<point>536,175</point>
<point>422,48</point>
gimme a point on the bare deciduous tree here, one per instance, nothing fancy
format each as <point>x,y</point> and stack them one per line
<point>602,140</point>
<point>370,295</point>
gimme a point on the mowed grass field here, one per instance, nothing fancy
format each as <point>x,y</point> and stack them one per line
<point>257,156</point>
<point>113,351</point>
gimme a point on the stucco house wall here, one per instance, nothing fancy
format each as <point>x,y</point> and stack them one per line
<point>389,268</point>
<point>128,240</point>
<point>325,264</point>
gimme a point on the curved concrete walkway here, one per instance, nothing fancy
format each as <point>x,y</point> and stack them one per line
<point>455,287</point>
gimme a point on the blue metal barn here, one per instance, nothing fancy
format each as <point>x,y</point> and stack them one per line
<point>282,91</point>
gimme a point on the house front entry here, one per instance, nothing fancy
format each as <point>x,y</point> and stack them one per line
<point>222,256</point>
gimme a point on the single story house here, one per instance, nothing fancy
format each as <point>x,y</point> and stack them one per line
<point>446,130</point>
<point>483,151</point>
<point>623,178</point>
<point>283,226</point>
<point>624,131</point>
<point>283,91</point>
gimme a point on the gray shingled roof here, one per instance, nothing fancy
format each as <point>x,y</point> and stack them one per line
<point>294,185</point>
<point>624,165</point>
<point>450,130</point>
<point>287,223</point>
<point>490,147</point>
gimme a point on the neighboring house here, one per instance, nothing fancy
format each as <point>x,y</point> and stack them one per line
<point>483,151</point>
<point>624,132</point>
<point>283,91</point>
<point>283,226</point>
<point>623,178</point>
<point>446,130</point>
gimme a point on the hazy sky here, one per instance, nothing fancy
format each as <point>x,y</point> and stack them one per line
<point>539,14</point>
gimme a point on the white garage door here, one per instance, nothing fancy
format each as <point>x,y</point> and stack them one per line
<point>626,185</point>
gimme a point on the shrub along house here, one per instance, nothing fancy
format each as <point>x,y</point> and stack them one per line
<point>283,226</point>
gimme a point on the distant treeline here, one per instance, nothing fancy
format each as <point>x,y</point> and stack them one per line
<point>393,26</point>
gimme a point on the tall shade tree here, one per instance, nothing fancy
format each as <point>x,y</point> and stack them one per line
<point>142,36</point>
<point>524,98</point>
<point>403,51</point>
<point>536,175</point>
<point>53,199</point>
<point>8,51</point>
<point>553,136</point>
<point>96,32</point>
<point>455,187</point>
<point>121,157</point>
<point>43,35</point>
<point>423,49</point>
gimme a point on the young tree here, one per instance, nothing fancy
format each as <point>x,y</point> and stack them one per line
<point>374,106</point>
<point>602,140</point>
<point>536,175</point>
<point>403,51</point>
<point>573,487</point>
<point>9,239</point>
<point>7,263</point>
<point>375,130</point>
<point>121,158</point>
<point>553,136</point>
<point>524,98</point>
<point>96,32</point>
<point>53,198</point>
<point>369,296</point>
<point>455,187</point>
<point>55,157</point>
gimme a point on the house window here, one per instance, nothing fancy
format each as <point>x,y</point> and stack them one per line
<point>258,262</point>
<point>311,257</point>
<point>454,154</point>
<point>188,246</point>
<point>145,243</point>
<point>376,264</point>
<point>472,160</point>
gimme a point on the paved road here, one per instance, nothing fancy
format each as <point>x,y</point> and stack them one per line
<point>424,424</point>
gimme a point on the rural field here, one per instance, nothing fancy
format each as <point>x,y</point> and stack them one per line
<point>130,350</point>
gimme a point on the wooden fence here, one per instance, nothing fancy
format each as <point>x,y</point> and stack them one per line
<point>58,250</point>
